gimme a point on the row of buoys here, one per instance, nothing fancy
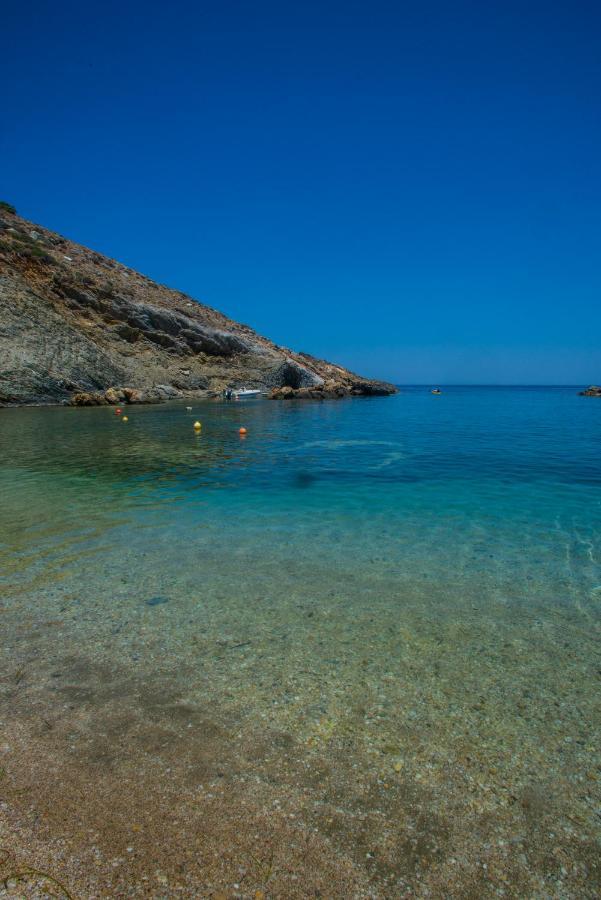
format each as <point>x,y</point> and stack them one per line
<point>197,425</point>
<point>198,428</point>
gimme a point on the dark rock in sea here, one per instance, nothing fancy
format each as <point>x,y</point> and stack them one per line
<point>79,328</point>
<point>593,391</point>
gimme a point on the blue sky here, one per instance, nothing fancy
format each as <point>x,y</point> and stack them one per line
<point>413,190</point>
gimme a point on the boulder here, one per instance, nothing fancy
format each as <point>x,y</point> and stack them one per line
<point>167,392</point>
<point>131,395</point>
<point>157,394</point>
<point>335,389</point>
<point>88,398</point>
<point>114,396</point>
<point>134,396</point>
<point>282,393</point>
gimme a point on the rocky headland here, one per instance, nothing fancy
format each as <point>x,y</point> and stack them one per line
<point>77,327</point>
<point>594,390</point>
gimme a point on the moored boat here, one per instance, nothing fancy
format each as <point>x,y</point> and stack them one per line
<point>243,393</point>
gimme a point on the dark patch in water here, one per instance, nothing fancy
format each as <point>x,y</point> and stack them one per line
<point>304,479</point>
<point>156,601</point>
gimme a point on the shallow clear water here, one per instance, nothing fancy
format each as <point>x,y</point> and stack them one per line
<point>405,589</point>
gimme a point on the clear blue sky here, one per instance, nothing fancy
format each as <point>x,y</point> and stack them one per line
<point>413,190</point>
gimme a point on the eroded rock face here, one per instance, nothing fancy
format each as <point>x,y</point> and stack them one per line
<point>593,391</point>
<point>292,374</point>
<point>79,327</point>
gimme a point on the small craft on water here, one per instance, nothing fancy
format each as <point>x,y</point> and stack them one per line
<point>436,391</point>
<point>241,393</point>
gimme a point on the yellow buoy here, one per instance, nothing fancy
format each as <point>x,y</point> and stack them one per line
<point>125,419</point>
<point>197,426</point>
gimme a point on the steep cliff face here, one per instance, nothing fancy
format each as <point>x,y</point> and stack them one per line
<point>72,321</point>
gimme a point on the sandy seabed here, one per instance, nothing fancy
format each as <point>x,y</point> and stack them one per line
<point>393,771</point>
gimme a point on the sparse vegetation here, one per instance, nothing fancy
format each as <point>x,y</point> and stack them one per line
<point>7,207</point>
<point>34,252</point>
<point>23,237</point>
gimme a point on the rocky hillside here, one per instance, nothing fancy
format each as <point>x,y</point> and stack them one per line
<point>74,322</point>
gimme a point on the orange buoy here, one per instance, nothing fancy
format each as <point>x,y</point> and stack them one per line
<point>242,431</point>
<point>118,411</point>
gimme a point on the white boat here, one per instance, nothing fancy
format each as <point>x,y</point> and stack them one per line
<point>242,393</point>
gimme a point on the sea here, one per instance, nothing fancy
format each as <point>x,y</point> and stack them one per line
<point>368,628</point>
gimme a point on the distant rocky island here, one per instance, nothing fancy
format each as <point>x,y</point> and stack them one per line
<point>77,327</point>
<point>594,390</point>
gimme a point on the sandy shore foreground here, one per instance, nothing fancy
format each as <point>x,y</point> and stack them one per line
<point>93,824</point>
<point>71,830</point>
<point>175,779</point>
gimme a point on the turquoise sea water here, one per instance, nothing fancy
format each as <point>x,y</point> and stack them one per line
<point>407,586</point>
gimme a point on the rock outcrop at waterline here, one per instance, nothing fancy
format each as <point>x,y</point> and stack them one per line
<point>593,391</point>
<point>74,322</point>
<point>116,396</point>
<point>331,390</point>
